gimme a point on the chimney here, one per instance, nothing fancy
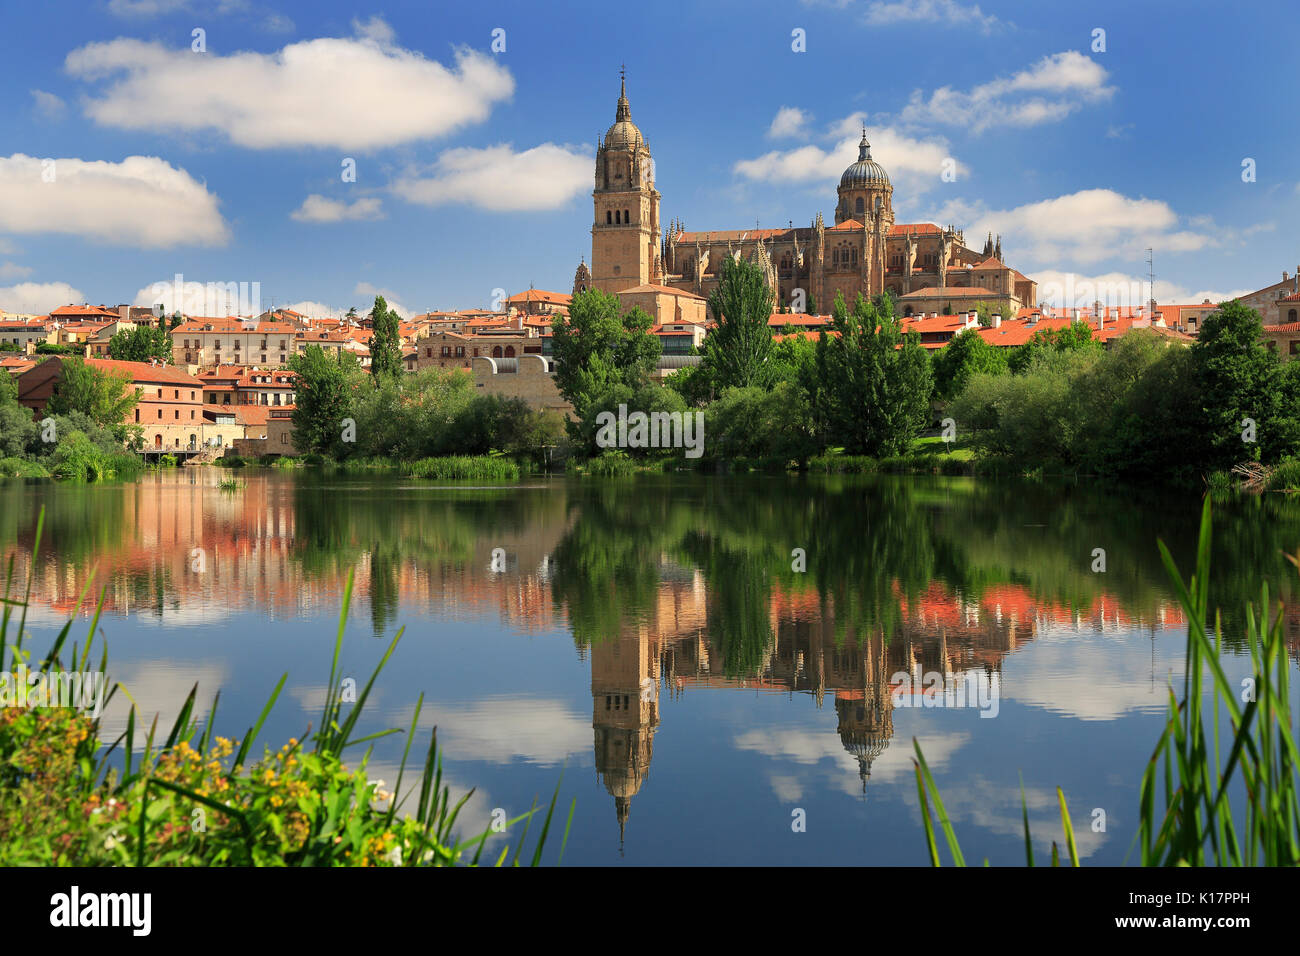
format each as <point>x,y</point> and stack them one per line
<point>972,319</point>
<point>997,320</point>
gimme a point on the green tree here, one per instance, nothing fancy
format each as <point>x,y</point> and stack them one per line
<point>874,381</point>
<point>966,355</point>
<point>141,344</point>
<point>1075,337</point>
<point>1238,379</point>
<point>599,347</point>
<point>107,398</point>
<point>737,349</point>
<point>386,342</point>
<point>323,400</point>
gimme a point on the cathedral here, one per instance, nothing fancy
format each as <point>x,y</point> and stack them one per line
<point>926,268</point>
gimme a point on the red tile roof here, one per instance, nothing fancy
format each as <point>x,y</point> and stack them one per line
<point>144,372</point>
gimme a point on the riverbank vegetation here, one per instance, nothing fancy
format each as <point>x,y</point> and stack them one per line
<point>191,798</point>
<point>1212,795</point>
<point>346,414</point>
<point>82,436</point>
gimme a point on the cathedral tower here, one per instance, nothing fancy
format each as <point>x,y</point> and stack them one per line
<point>625,236</point>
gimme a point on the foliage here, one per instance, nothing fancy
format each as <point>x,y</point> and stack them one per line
<point>1075,337</point>
<point>1237,378</point>
<point>647,398</point>
<point>386,341</point>
<point>753,423</point>
<point>141,344</point>
<point>323,399</point>
<point>598,347</point>
<point>107,397</point>
<point>966,355</point>
<point>737,350</point>
<point>874,381</point>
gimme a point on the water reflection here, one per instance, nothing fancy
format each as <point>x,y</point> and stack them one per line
<point>669,586</point>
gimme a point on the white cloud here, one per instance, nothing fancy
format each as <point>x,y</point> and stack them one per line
<point>789,121</point>
<point>317,208</point>
<point>499,179</point>
<point>1087,226</point>
<point>347,93</point>
<point>233,297</point>
<point>142,201</point>
<point>1048,91</point>
<point>914,165</point>
<point>38,297</point>
<point>47,104</point>
<point>1076,290</point>
<point>12,270</point>
<point>880,13</point>
<point>144,8</point>
<point>502,730</point>
<point>370,291</point>
<point>317,310</point>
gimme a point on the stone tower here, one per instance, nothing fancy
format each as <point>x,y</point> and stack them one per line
<point>625,235</point>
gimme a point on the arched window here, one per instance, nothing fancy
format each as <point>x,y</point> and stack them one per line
<point>510,351</point>
<point>609,218</point>
<point>1290,316</point>
<point>858,206</point>
<point>617,220</point>
<point>496,351</point>
<point>627,216</point>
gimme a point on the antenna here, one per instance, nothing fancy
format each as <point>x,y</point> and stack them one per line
<point>1151,282</point>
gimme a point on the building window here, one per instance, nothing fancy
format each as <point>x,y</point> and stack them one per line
<point>160,414</point>
<point>1295,347</point>
<point>609,218</point>
<point>627,217</point>
<point>858,206</point>
<point>618,218</point>
<point>496,351</point>
<point>510,351</point>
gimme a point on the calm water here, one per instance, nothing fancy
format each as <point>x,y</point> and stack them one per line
<point>650,639</point>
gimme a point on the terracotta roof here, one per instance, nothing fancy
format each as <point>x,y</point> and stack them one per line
<point>540,295</point>
<point>733,235</point>
<point>989,263</point>
<point>846,224</point>
<point>915,228</point>
<point>144,372</point>
<point>1285,329</point>
<point>233,325</point>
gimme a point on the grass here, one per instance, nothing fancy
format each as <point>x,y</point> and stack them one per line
<point>445,468</point>
<point>1186,814</point>
<point>230,484</point>
<point>197,800</point>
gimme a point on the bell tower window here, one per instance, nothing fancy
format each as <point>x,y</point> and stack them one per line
<point>609,218</point>
<point>858,205</point>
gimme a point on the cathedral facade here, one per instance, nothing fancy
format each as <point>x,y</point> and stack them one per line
<point>925,267</point>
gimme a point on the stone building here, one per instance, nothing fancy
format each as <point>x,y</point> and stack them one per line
<point>864,251</point>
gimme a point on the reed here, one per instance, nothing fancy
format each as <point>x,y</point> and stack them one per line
<point>62,803</point>
<point>1222,786</point>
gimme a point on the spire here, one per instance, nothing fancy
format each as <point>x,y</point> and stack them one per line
<point>624,111</point>
<point>864,148</point>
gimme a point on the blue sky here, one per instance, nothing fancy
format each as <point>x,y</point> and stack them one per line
<point>474,166</point>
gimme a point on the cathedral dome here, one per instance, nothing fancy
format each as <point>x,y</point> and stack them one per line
<point>865,172</point>
<point>624,133</point>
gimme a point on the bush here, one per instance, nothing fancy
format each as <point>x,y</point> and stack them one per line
<point>613,463</point>
<point>22,468</point>
<point>1285,477</point>
<point>167,461</point>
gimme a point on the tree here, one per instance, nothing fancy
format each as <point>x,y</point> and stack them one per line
<point>141,344</point>
<point>598,348</point>
<point>386,342</point>
<point>352,313</point>
<point>323,401</point>
<point>1077,336</point>
<point>1240,385</point>
<point>107,398</point>
<point>966,355</point>
<point>737,350</point>
<point>874,381</point>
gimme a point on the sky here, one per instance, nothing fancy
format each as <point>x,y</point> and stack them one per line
<point>441,154</point>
